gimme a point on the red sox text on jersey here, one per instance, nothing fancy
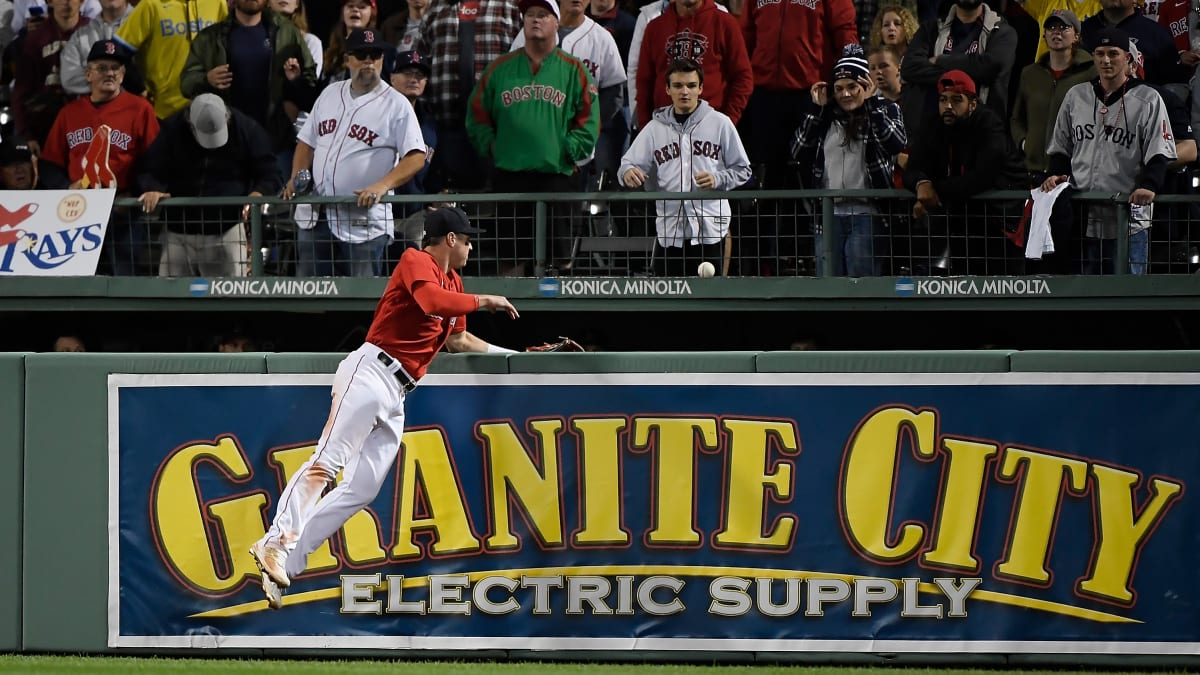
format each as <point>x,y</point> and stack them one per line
<point>84,136</point>
<point>533,92</point>
<point>357,131</point>
<point>699,148</point>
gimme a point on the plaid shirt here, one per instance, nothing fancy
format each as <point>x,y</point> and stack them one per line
<point>885,136</point>
<point>496,25</point>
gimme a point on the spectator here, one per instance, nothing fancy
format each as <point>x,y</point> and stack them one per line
<point>23,16</point>
<point>294,10</point>
<point>461,45</point>
<point>410,78</point>
<point>18,167</point>
<point>206,150</point>
<point>1155,42</point>
<point>1129,152</point>
<point>850,144</point>
<point>69,343</point>
<point>1175,16</point>
<point>609,15</point>
<point>646,13</point>
<point>696,30</point>
<point>356,15</point>
<point>1181,127</point>
<point>37,89</point>
<point>236,341</point>
<point>1044,85</point>
<point>972,38</point>
<point>688,232</point>
<point>1040,10</point>
<point>580,37</point>
<point>96,142</point>
<point>884,63</point>
<point>893,27</point>
<point>971,155</point>
<point>267,53</point>
<point>74,55</point>
<point>535,142</point>
<point>619,24</point>
<point>161,32</point>
<point>403,29</point>
<point>361,139</point>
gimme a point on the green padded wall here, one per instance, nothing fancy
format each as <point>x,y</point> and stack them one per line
<point>65,545</point>
<point>634,362</point>
<point>12,428</point>
<point>901,361</point>
<point>1106,361</point>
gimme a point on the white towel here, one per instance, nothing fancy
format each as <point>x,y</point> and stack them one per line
<point>1039,242</point>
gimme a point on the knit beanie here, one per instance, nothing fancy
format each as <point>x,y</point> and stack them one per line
<point>852,65</point>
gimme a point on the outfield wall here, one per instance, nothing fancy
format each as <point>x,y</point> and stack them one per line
<point>59,433</point>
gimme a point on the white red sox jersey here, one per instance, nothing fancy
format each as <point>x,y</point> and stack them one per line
<point>671,154</point>
<point>356,141</point>
<point>593,45</point>
<point>1110,144</point>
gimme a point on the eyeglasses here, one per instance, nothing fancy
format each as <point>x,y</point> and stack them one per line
<point>1059,28</point>
<point>105,70</point>
<point>414,73</point>
<point>368,55</point>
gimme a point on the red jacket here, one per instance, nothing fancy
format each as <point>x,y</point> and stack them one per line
<point>710,37</point>
<point>794,43</point>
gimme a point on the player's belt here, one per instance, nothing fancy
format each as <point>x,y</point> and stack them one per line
<point>406,382</point>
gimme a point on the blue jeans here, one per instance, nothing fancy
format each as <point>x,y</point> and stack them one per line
<point>853,247</point>
<point>1100,254</point>
<point>320,254</point>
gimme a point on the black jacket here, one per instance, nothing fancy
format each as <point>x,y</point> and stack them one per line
<point>175,163</point>
<point>975,155</point>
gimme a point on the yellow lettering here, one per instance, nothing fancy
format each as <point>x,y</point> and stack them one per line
<point>675,469</point>
<point>749,483</point>
<point>1122,535</point>
<point>1038,502</point>
<point>868,477</point>
<point>512,473</point>
<point>427,473</point>
<point>180,521</point>
<point>958,514</point>
<point>600,482</point>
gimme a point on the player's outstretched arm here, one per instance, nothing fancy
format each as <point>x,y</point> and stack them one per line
<point>464,341</point>
<point>495,303</point>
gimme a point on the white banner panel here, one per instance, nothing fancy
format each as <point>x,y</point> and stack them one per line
<point>52,232</point>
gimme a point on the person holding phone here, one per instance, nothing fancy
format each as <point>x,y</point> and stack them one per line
<point>32,13</point>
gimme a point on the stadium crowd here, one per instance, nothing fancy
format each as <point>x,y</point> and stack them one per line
<point>360,98</point>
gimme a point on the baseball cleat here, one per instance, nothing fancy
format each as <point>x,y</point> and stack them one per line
<point>272,562</point>
<point>272,591</point>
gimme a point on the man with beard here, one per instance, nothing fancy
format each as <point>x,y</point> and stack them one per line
<point>970,154</point>
<point>972,38</point>
<point>96,140</point>
<point>362,138</point>
<point>256,60</point>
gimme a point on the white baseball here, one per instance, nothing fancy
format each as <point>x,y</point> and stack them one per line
<point>706,270</point>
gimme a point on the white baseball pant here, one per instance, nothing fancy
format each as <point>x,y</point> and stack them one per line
<point>361,436</point>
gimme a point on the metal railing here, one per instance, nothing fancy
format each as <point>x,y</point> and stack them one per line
<point>771,233</point>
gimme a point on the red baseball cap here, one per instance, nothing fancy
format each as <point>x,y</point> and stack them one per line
<point>373,5</point>
<point>956,81</point>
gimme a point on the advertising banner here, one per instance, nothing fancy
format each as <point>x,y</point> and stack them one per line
<point>52,232</point>
<point>971,513</point>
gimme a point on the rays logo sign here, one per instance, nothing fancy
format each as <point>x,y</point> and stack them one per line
<point>52,232</point>
<point>777,512</point>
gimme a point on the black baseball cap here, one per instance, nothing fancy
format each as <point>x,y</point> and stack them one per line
<point>108,50</point>
<point>365,40</point>
<point>413,59</point>
<point>13,153</point>
<point>1111,37</point>
<point>448,219</point>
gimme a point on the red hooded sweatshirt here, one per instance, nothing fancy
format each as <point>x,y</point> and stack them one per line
<point>710,37</point>
<point>794,43</point>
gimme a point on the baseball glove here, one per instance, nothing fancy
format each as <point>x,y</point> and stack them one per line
<point>564,344</point>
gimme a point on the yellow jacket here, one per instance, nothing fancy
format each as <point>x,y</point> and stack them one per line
<point>161,32</point>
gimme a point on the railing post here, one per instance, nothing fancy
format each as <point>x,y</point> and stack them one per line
<point>1121,254</point>
<point>540,231</point>
<point>256,239</point>
<point>828,225</point>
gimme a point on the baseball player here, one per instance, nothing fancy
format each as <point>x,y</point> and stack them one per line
<point>362,138</point>
<point>687,146</point>
<point>1112,135</point>
<point>97,139</point>
<point>422,309</point>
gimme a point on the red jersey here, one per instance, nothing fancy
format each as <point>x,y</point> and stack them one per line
<point>400,327</point>
<point>75,144</point>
